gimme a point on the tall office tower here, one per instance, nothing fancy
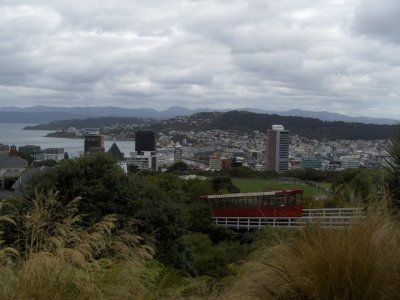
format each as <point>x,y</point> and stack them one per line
<point>177,153</point>
<point>277,149</point>
<point>94,143</point>
<point>145,141</point>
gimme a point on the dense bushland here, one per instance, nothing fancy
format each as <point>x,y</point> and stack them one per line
<point>162,205</point>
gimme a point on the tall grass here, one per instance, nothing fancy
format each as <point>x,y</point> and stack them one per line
<point>358,262</point>
<point>55,257</point>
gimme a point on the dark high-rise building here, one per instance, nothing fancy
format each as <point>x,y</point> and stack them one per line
<point>145,140</point>
<point>94,143</point>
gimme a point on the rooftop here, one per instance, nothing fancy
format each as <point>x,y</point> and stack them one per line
<point>12,161</point>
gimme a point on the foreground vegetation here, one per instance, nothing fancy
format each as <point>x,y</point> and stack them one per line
<point>185,252</point>
<point>57,257</point>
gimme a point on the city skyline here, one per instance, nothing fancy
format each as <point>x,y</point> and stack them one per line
<point>338,56</point>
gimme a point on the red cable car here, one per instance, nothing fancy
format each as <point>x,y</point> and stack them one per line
<point>284,203</point>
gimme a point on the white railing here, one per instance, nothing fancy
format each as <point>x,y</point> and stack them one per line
<point>334,212</point>
<point>330,217</point>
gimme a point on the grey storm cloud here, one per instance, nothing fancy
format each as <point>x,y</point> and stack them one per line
<point>379,19</point>
<point>337,55</point>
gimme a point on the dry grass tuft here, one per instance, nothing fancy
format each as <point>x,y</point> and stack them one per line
<point>358,262</point>
<point>59,258</point>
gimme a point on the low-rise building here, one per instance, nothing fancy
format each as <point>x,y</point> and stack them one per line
<point>311,163</point>
<point>33,151</point>
<point>145,161</point>
<point>334,165</point>
<point>56,154</point>
<point>350,162</point>
<point>214,162</point>
<point>226,162</point>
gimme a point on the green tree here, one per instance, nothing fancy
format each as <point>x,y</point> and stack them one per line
<point>157,202</point>
<point>46,163</point>
<point>223,185</point>
<point>170,184</point>
<point>358,184</point>
<point>178,167</point>
<point>162,217</point>
<point>133,169</point>
<point>243,172</point>
<point>97,179</point>
<point>393,168</point>
<point>214,259</point>
<point>195,188</point>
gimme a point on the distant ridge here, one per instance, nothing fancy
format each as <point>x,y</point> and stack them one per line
<point>240,121</point>
<point>98,122</point>
<point>245,121</point>
<point>44,114</point>
<point>328,116</point>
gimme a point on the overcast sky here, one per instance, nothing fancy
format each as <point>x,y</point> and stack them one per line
<point>337,55</point>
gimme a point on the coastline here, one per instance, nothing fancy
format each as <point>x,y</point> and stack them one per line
<point>12,134</point>
<point>75,137</point>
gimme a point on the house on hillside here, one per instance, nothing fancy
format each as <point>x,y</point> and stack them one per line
<point>20,186</point>
<point>11,166</point>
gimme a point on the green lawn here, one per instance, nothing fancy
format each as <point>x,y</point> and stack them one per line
<point>259,185</point>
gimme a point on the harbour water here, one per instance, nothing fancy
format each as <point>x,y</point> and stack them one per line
<point>13,134</point>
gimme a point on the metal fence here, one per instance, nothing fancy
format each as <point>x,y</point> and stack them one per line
<point>329,217</point>
<point>333,212</point>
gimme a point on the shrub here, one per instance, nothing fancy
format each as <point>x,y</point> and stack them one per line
<point>358,262</point>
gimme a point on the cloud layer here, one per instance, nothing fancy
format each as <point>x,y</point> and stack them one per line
<point>336,55</point>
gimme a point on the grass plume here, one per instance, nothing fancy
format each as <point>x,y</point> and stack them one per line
<point>60,258</point>
<point>358,262</point>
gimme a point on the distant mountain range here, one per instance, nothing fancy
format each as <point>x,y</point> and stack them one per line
<point>328,116</point>
<point>44,114</point>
